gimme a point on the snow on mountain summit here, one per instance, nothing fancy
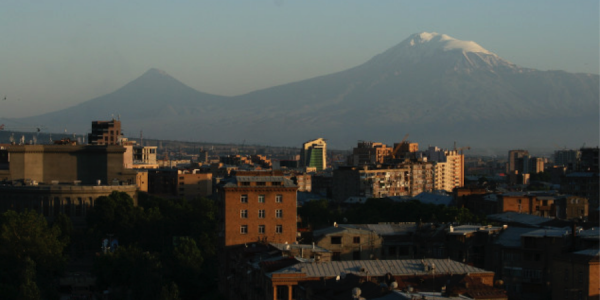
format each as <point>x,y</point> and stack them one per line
<point>444,42</point>
<point>429,46</point>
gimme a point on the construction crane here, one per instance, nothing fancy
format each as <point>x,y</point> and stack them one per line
<point>398,146</point>
<point>463,148</point>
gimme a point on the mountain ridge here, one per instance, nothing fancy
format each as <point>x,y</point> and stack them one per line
<point>392,93</point>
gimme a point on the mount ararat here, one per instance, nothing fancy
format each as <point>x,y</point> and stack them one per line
<point>432,86</point>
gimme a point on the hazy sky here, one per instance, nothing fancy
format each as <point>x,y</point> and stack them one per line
<point>55,54</point>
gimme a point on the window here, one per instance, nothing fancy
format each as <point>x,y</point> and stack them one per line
<point>261,213</point>
<point>392,251</point>
<point>261,229</point>
<point>276,183</point>
<point>278,198</point>
<point>279,213</point>
<point>244,229</point>
<point>279,229</point>
<point>245,183</point>
<point>261,198</point>
<point>336,240</point>
<point>356,240</point>
<point>261,183</point>
<point>244,214</point>
<point>336,256</point>
<point>244,198</point>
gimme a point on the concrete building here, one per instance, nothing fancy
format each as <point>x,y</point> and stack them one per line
<point>583,184</point>
<point>105,133</point>
<point>527,203</point>
<point>576,275</point>
<point>67,179</point>
<point>189,184</point>
<point>144,157</point>
<point>513,160</point>
<point>590,158</point>
<point>371,183</point>
<point>369,153</point>
<point>314,154</point>
<point>85,165</point>
<point>567,158</point>
<point>524,258</point>
<point>349,242</point>
<point>449,168</point>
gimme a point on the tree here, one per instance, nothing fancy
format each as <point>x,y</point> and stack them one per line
<point>114,214</point>
<point>31,255</point>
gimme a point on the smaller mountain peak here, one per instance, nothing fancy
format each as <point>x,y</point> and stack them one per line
<point>155,71</point>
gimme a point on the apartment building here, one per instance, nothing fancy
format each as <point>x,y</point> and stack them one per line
<point>257,206</point>
<point>369,153</point>
<point>105,133</point>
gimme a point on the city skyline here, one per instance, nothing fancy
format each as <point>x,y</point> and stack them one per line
<point>61,54</point>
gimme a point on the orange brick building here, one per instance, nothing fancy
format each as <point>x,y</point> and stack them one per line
<point>257,206</point>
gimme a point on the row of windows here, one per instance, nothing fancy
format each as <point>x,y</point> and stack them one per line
<point>261,229</point>
<point>261,198</point>
<point>261,213</point>
<point>76,207</point>
<point>337,240</point>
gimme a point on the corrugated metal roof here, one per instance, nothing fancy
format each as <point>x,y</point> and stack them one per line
<point>386,229</point>
<point>583,174</point>
<point>340,229</point>
<point>547,232</point>
<point>430,198</point>
<point>511,236</point>
<point>396,267</point>
<point>314,248</point>
<point>518,218</point>
<point>588,252</point>
<point>592,233</point>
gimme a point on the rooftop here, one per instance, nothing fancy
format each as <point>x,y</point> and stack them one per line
<point>515,217</point>
<point>511,237</point>
<point>283,247</point>
<point>396,267</point>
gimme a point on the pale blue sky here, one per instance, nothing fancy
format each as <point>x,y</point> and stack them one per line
<point>56,54</point>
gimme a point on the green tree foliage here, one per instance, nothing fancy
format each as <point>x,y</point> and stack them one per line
<point>130,269</point>
<point>316,214</point>
<point>179,234</point>
<point>31,256</point>
<point>376,210</point>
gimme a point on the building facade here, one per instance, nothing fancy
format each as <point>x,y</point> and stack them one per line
<point>105,133</point>
<point>257,206</point>
<point>314,154</point>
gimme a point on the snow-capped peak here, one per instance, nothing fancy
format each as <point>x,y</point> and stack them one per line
<point>444,42</point>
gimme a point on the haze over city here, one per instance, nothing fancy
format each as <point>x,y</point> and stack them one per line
<point>61,53</point>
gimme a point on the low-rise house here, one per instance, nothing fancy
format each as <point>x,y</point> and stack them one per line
<point>349,242</point>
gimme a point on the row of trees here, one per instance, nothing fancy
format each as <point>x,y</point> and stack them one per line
<point>31,255</point>
<point>168,249</point>
<point>322,213</point>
